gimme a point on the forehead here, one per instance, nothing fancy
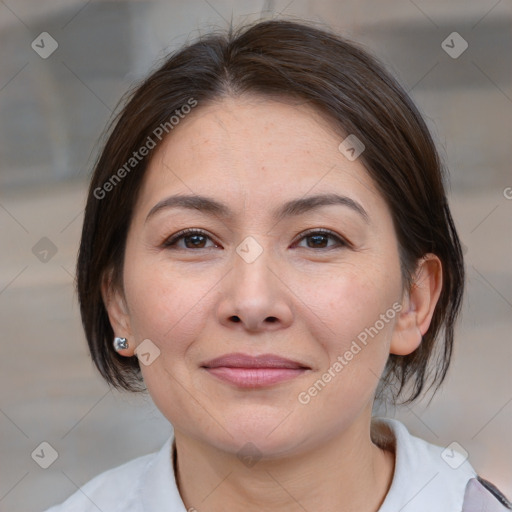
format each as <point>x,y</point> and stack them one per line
<point>254,149</point>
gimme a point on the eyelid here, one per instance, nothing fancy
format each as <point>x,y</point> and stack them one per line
<point>342,241</point>
<point>176,237</point>
<point>171,240</point>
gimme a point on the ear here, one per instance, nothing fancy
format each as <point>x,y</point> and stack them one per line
<point>418,306</point>
<point>118,313</point>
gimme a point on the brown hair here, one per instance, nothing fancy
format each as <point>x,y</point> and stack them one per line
<point>346,84</point>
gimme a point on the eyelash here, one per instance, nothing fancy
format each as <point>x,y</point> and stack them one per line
<point>171,241</point>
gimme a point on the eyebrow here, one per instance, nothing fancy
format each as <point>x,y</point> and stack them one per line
<point>291,208</point>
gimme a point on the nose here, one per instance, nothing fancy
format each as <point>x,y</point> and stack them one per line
<point>254,296</point>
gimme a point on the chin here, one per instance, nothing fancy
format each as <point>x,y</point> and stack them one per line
<point>266,433</point>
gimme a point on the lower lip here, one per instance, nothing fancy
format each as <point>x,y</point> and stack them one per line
<point>255,377</point>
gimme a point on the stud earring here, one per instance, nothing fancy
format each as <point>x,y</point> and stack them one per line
<point>120,344</point>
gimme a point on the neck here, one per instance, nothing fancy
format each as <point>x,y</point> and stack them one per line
<point>347,472</point>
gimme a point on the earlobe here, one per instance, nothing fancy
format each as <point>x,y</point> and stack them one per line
<point>418,306</point>
<point>118,314</point>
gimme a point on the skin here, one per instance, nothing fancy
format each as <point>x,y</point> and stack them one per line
<point>298,300</point>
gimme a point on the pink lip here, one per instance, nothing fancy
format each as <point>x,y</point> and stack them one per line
<point>254,371</point>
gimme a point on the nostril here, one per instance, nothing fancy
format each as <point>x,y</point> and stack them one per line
<point>235,319</point>
<point>271,319</point>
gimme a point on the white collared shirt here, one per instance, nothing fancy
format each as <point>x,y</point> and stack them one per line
<point>423,480</point>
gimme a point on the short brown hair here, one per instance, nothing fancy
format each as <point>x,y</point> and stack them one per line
<point>341,80</point>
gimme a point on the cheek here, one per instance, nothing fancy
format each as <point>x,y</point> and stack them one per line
<point>357,319</point>
<point>352,301</point>
<point>166,306</point>
<point>169,308</point>
<point>355,342</point>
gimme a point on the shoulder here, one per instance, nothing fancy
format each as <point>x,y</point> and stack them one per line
<point>483,495</point>
<point>117,489</point>
<point>427,476</point>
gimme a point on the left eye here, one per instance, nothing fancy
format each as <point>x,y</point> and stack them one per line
<point>319,238</point>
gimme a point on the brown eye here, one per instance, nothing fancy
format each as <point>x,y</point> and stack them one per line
<point>320,239</point>
<point>193,239</point>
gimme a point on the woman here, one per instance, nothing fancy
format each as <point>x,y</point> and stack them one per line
<point>267,247</point>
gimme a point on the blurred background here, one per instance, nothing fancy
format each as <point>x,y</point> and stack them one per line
<point>64,66</point>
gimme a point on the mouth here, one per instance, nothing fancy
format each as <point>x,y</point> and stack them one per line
<point>248,371</point>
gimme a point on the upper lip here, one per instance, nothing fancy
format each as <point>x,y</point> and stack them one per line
<point>238,360</point>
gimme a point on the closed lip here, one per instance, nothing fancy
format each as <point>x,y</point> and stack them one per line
<point>240,360</point>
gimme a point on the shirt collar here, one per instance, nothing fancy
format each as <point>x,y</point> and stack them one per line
<point>421,481</point>
<point>158,488</point>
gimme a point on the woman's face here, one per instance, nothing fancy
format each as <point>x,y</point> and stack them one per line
<point>260,280</point>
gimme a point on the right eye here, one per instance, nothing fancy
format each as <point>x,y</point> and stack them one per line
<point>193,239</point>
